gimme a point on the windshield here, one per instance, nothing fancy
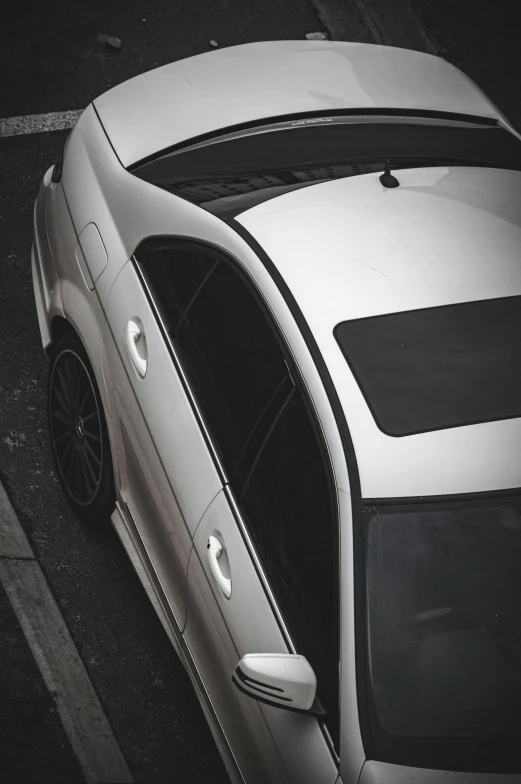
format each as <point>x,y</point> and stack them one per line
<point>443,643</point>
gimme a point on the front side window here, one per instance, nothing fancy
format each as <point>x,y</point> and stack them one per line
<point>443,618</point>
<point>287,501</point>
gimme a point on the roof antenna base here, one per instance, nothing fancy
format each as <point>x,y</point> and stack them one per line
<point>387,179</point>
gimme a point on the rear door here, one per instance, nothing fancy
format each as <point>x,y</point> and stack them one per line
<point>275,588</point>
<point>167,477</point>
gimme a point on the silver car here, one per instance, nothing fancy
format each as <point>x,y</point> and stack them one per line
<point>279,286</point>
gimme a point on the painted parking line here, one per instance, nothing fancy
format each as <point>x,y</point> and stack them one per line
<point>58,660</point>
<point>393,23</point>
<point>38,123</point>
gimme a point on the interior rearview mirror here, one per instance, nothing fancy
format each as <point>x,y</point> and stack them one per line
<point>284,680</point>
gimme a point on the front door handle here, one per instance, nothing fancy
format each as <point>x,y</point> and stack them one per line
<point>215,550</point>
<point>136,345</point>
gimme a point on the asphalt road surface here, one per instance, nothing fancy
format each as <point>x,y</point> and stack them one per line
<point>52,59</point>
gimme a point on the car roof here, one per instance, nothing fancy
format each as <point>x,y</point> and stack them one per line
<point>252,82</point>
<point>350,249</point>
<point>446,235</point>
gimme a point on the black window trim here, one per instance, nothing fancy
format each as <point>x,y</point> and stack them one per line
<point>446,497</point>
<point>362,693</point>
<point>298,381</point>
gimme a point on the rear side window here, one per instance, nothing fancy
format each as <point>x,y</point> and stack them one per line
<point>231,356</point>
<point>175,278</point>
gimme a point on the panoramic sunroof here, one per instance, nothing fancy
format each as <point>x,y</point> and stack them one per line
<point>439,367</point>
<point>226,175</point>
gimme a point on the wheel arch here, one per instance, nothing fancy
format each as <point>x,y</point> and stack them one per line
<point>61,326</point>
<point>58,327</point>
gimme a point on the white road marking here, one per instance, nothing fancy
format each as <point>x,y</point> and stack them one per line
<point>13,541</point>
<point>58,660</point>
<point>398,26</point>
<point>37,123</point>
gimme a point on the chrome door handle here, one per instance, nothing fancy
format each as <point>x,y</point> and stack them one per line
<point>136,345</point>
<point>215,550</point>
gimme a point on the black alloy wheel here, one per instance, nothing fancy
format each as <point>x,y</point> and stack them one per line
<point>78,432</point>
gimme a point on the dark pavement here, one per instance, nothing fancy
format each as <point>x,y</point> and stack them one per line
<point>33,744</point>
<point>51,60</point>
<point>481,38</point>
<point>59,63</point>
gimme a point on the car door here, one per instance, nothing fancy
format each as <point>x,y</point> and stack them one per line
<point>166,476</point>
<point>275,520</point>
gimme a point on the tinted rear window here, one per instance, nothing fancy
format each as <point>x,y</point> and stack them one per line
<point>439,367</point>
<point>230,174</point>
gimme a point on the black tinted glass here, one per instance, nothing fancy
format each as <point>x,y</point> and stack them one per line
<point>287,503</point>
<point>232,359</point>
<point>230,174</point>
<point>440,367</point>
<point>174,276</point>
<point>443,600</point>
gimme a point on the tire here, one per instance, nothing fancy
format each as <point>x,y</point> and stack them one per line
<point>78,431</point>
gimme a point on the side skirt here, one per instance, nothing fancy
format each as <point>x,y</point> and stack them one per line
<point>132,542</point>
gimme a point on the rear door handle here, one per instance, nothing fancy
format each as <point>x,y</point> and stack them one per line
<point>215,550</point>
<point>136,345</point>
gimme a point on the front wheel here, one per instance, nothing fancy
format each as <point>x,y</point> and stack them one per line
<point>78,431</point>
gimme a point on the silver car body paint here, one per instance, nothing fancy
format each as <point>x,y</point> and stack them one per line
<point>344,248</point>
<point>269,744</point>
<point>365,250</point>
<point>135,423</point>
<point>242,84</point>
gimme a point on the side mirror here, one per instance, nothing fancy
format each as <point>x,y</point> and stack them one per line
<point>284,680</point>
